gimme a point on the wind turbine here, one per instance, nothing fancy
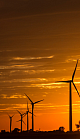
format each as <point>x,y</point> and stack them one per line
<point>27,116</point>
<point>10,121</point>
<point>70,96</point>
<point>32,103</point>
<point>22,115</point>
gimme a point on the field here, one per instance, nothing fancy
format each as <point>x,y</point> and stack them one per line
<point>41,135</point>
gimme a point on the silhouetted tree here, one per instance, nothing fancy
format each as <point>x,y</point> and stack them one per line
<point>61,128</point>
<point>3,131</point>
<point>78,126</point>
<point>16,130</point>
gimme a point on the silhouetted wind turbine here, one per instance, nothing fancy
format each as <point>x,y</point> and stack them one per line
<point>27,116</point>
<point>33,108</point>
<point>70,97</point>
<point>21,119</point>
<point>10,121</point>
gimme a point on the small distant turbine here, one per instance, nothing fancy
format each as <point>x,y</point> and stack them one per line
<point>32,103</point>
<point>22,115</point>
<point>70,97</point>
<point>10,121</point>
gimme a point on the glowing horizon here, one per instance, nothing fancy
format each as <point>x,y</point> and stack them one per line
<point>39,45</point>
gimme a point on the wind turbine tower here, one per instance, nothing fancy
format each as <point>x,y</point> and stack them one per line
<point>32,103</point>
<point>10,121</point>
<point>22,115</point>
<point>70,97</point>
<point>27,116</point>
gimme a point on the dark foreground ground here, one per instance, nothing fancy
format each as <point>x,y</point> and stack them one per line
<point>41,135</point>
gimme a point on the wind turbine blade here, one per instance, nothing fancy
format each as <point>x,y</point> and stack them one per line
<point>30,112</point>
<point>18,112</point>
<point>8,115</point>
<point>76,89</point>
<point>28,98</point>
<point>63,81</point>
<point>13,115</point>
<point>23,122</point>
<point>24,114</point>
<point>38,101</point>
<point>18,120</point>
<point>74,71</point>
<point>27,106</point>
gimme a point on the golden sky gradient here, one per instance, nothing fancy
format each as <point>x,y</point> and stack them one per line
<point>39,45</point>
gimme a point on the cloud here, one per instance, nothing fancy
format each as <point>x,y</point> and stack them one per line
<point>48,85</point>
<point>4,96</point>
<point>29,72</point>
<point>30,58</point>
<point>72,58</point>
<point>25,80</point>
<point>36,7</point>
<point>23,106</point>
<point>17,66</point>
<point>40,107</point>
<point>34,85</point>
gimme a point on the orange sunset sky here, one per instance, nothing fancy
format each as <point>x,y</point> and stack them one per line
<point>39,45</point>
